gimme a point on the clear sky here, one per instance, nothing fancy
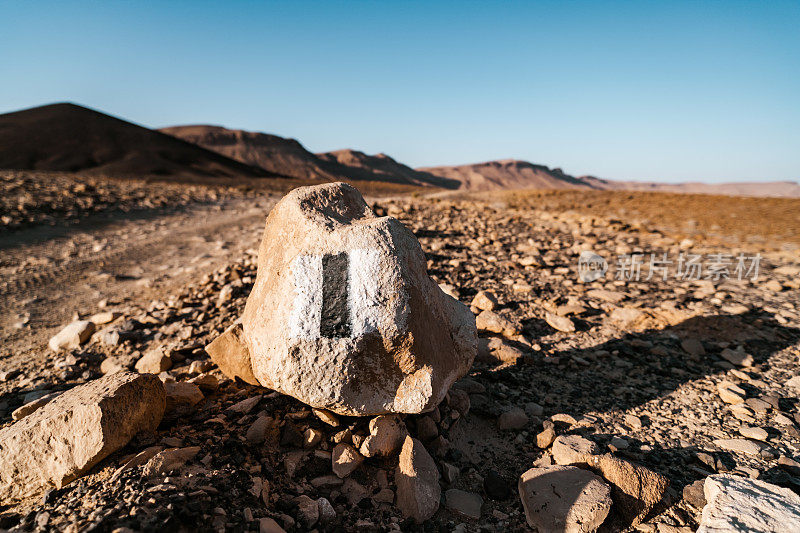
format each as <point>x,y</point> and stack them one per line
<point>627,90</point>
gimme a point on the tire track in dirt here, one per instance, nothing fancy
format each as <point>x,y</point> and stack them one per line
<point>140,260</point>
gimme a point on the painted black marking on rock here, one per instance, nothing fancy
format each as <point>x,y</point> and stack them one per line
<point>335,320</point>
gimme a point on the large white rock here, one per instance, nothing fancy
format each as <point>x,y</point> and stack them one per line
<point>343,315</point>
<point>740,504</point>
<point>64,439</point>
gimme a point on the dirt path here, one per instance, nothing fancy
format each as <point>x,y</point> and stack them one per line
<point>49,274</point>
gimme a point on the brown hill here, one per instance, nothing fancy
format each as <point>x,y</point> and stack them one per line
<point>289,157</point>
<point>510,174</point>
<point>68,137</point>
<point>383,168</point>
<point>514,174</point>
<point>270,152</point>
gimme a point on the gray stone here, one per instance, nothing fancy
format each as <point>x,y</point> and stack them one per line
<point>467,504</point>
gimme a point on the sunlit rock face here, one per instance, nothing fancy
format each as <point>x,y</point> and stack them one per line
<point>343,315</point>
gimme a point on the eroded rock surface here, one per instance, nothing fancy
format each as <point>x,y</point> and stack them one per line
<point>62,440</point>
<point>343,315</point>
<point>740,504</point>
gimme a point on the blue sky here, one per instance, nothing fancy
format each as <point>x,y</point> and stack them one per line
<point>667,91</point>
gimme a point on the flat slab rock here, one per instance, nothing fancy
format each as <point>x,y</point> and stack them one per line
<point>564,498</point>
<point>62,440</point>
<point>343,315</point>
<point>741,504</point>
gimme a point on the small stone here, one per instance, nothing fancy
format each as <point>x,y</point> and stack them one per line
<point>559,323</point>
<point>426,429</point>
<point>182,394</point>
<point>534,409</point>
<point>564,498</point>
<point>467,504</point>
<point>573,450</point>
<point>28,408</point>
<point>494,323</point>
<point>730,393</point>
<point>169,460</point>
<point>245,406</point>
<point>311,437</point>
<point>345,459</point>
<point>200,367</point>
<point>72,335</point>
<point>268,525</point>
<point>384,496</point>
<point>633,421</point>
<point>326,416</point>
<point>737,357</point>
<point>309,510</point>
<point>153,362</point>
<point>693,347</point>
<point>265,428</point>
<point>753,432</point>
<point>326,511</point>
<point>514,418</point>
<point>206,382</point>
<point>545,438</point>
<point>741,504</point>
<point>693,493</point>
<point>386,436</point>
<point>450,472</point>
<point>104,317</point>
<point>417,480</point>
<point>485,301</point>
<point>740,445</point>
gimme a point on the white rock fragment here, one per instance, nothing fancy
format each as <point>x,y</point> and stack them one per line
<point>740,504</point>
<point>72,336</point>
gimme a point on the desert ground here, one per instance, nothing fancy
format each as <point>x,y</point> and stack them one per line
<point>682,377</point>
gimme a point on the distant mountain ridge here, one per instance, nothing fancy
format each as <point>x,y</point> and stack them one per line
<point>516,174</point>
<point>69,137</point>
<point>289,157</point>
<point>72,138</point>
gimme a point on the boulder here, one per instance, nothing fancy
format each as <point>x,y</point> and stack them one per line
<point>72,336</point>
<point>741,504</point>
<point>417,480</point>
<point>61,441</point>
<point>343,315</point>
<point>637,490</point>
<point>564,498</point>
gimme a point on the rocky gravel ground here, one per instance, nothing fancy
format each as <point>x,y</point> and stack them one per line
<point>678,379</point>
<point>29,198</point>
